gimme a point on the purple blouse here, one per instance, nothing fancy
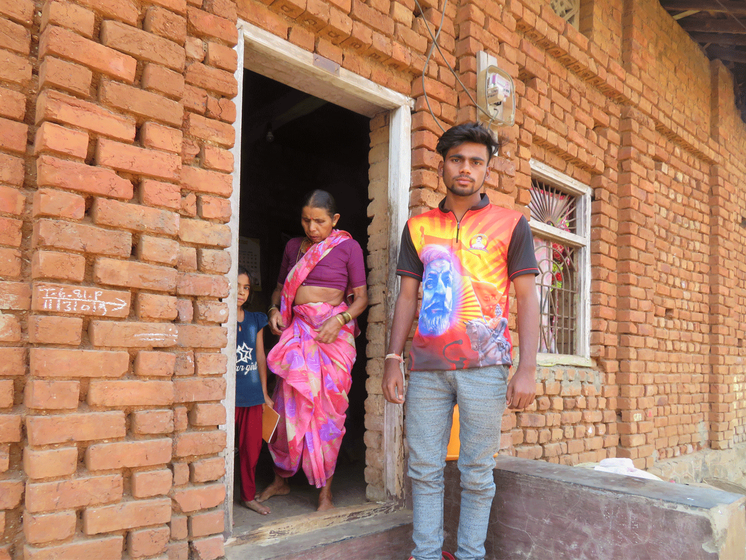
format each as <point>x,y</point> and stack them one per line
<point>342,267</point>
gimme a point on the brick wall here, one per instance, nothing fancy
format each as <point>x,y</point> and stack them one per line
<point>116,121</point>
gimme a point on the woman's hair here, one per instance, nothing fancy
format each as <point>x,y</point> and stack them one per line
<point>467,132</point>
<point>320,199</point>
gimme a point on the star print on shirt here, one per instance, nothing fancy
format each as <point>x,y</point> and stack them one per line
<point>243,353</point>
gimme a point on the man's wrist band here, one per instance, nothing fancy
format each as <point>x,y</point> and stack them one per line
<point>394,357</point>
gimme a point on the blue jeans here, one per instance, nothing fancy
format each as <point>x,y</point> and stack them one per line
<point>480,395</point>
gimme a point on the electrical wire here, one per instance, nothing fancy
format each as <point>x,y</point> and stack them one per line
<point>427,61</point>
<point>727,11</point>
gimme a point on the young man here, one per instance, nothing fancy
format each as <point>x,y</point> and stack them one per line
<point>466,253</point>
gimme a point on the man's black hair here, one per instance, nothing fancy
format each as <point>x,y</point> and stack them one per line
<point>320,199</point>
<point>467,132</point>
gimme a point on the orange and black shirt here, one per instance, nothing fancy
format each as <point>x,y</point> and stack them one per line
<point>465,268</point>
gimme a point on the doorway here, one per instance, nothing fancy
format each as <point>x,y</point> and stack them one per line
<point>292,143</point>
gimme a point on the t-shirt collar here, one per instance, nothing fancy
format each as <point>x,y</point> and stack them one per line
<point>483,202</point>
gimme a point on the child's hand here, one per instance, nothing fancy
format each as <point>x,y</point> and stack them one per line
<point>269,402</point>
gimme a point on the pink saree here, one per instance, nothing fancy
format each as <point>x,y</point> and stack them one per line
<point>311,394</point>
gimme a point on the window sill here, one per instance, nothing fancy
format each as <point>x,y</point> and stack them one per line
<point>549,360</point>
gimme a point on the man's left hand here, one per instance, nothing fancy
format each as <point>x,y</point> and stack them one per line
<point>521,389</point>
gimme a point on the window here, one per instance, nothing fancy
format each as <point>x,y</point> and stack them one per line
<point>569,10</point>
<point>560,222</point>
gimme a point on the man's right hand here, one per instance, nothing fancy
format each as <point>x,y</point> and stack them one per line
<point>393,382</point>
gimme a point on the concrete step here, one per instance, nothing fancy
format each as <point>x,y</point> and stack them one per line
<point>374,534</point>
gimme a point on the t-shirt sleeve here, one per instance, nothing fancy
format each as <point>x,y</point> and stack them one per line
<point>521,255</point>
<point>260,319</point>
<point>355,266</point>
<point>409,263</point>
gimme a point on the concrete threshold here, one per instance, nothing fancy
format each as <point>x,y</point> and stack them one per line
<point>353,531</point>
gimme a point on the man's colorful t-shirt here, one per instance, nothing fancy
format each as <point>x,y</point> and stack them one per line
<point>465,268</point>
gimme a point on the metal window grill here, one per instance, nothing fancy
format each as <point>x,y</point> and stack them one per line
<point>558,279</point>
<point>567,10</point>
<point>557,285</point>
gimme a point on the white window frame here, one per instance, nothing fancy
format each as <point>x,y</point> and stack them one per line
<point>581,242</point>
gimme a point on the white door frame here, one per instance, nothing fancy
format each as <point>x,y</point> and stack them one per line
<point>280,60</point>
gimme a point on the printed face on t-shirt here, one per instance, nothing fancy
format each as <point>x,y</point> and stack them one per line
<point>437,297</point>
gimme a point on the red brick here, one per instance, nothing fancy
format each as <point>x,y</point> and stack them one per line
<point>49,202</point>
<point>178,550</point>
<point>44,329</point>
<point>178,6</point>
<point>132,335</point>
<point>148,542</point>
<point>207,414</point>
<point>217,158</point>
<point>140,102</point>
<point>213,363</point>
<point>210,548</point>
<point>50,463</point>
<point>208,523</point>
<point>184,363</point>
<point>146,484</point>
<point>12,361</point>
<point>10,428</point>
<point>186,310</point>
<point>166,24</point>
<point>82,238</point>
<point>12,200</point>
<point>71,494</point>
<point>211,130</point>
<point>13,136</point>
<point>187,259</point>
<point>21,11</point>
<point>122,10</point>
<point>63,108</point>
<point>202,285</point>
<point>130,393</point>
<point>40,529</point>
<point>65,75</point>
<point>158,250</point>
<point>57,362</point>
<point>133,274</point>
<point>155,193</point>
<point>204,233</point>
<point>189,203</point>
<point>66,44</point>
<point>211,311</point>
<point>200,497</point>
<point>143,45</point>
<point>195,99</point>
<point>6,393</point>
<point>10,262</point>
<point>207,470</point>
<point>125,157</point>
<point>69,16</point>
<point>199,389</point>
<point>43,430</point>
<point>12,169</point>
<point>179,528</point>
<point>15,295</point>
<point>195,49</point>
<point>128,454</point>
<point>214,208</point>
<point>10,328</point>
<point>127,515</point>
<point>222,109</point>
<point>135,217</point>
<point>221,56</point>
<point>12,104</point>
<point>223,8</point>
<point>83,300</point>
<point>155,364</point>
<point>204,181</point>
<point>161,137</point>
<point>151,422</point>
<point>200,336</point>
<point>90,549</point>
<point>212,79</point>
<point>213,261</point>
<point>14,68</point>
<point>10,493</point>
<point>52,395</point>
<point>152,306</point>
<point>160,79</point>
<point>203,24</point>
<point>55,172</point>
<point>54,138</point>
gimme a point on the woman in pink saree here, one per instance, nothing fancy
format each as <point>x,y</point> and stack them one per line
<point>316,351</point>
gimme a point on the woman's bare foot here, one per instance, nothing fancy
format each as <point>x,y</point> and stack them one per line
<point>279,487</point>
<point>325,499</point>
<point>257,507</point>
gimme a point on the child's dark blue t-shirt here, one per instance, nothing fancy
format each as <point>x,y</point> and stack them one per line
<point>248,385</point>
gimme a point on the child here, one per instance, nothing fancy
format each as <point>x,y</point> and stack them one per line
<point>251,392</point>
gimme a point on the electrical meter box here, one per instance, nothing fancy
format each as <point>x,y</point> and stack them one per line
<point>495,93</point>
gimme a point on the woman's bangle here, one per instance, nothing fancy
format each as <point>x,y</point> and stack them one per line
<point>346,316</point>
<point>271,307</point>
<point>394,357</point>
<point>340,319</point>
